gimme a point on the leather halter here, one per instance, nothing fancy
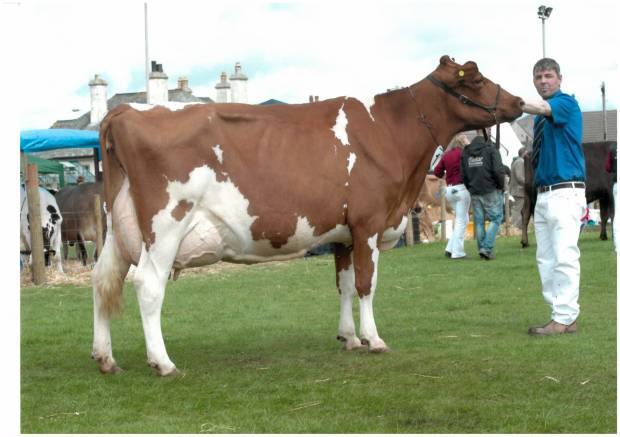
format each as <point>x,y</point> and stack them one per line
<point>491,109</point>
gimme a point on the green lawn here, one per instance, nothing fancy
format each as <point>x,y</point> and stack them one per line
<point>258,349</point>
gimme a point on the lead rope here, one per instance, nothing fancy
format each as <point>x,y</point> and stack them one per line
<point>423,120</point>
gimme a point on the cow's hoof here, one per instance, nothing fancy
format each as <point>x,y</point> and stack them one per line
<point>603,237</point>
<point>524,245</point>
<point>160,371</point>
<point>350,343</point>
<point>108,366</point>
<point>376,348</point>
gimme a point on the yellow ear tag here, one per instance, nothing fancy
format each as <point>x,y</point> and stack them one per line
<point>461,73</point>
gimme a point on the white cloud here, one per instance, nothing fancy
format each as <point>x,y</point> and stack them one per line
<point>292,50</point>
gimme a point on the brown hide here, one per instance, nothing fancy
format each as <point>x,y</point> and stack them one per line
<point>287,161</point>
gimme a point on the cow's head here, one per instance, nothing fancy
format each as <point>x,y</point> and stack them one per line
<point>469,92</point>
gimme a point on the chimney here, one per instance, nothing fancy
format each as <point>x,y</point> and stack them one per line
<point>157,93</point>
<point>239,86</point>
<point>222,90</point>
<point>183,84</point>
<point>98,99</point>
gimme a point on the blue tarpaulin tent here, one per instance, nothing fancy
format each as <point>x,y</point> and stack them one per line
<point>40,140</point>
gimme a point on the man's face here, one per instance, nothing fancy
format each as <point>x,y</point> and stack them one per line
<point>547,82</point>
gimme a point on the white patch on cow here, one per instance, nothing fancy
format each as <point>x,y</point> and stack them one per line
<point>219,153</point>
<point>372,243</point>
<point>173,106</point>
<point>368,105</point>
<point>340,127</point>
<point>217,227</point>
<point>368,328</point>
<point>346,325</point>
<point>392,235</point>
<point>351,162</point>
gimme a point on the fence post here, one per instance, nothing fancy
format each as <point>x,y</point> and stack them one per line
<point>98,224</point>
<point>36,230</point>
<point>442,198</point>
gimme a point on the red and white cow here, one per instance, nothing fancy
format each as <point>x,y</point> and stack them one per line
<point>244,183</point>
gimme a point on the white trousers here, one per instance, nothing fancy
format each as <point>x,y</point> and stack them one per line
<point>459,199</point>
<point>615,222</point>
<point>557,221</point>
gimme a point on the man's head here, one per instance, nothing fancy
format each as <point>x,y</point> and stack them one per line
<point>547,77</point>
<point>522,152</point>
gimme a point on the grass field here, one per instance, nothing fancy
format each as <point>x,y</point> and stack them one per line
<point>258,349</point>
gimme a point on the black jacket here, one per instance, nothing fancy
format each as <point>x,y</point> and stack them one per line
<point>481,167</point>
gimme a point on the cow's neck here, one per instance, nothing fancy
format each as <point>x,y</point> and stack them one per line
<point>418,120</point>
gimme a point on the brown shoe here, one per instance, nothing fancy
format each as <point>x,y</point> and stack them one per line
<point>553,328</point>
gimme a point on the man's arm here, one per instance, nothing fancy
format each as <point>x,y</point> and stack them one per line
<point>537,107</point>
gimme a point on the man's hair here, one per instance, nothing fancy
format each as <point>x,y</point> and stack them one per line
<point>546,64</point>
<point>522,152</point>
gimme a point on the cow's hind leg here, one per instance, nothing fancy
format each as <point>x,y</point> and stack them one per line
<point>108,276</point>
<point>345,280</point>
<point>366,262</point>
<point>150,279</point>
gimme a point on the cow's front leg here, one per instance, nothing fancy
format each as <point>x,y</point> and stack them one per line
<point>150,279</point>
<point>345,281</point>
<point>366,263</point>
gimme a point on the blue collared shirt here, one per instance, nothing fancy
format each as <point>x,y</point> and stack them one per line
<point>561,155</point>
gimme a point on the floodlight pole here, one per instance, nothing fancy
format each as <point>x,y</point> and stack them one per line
<point>543,13</point>
<point>146,49</point>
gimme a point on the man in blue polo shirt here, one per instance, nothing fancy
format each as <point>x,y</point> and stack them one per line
<point>559,177</point>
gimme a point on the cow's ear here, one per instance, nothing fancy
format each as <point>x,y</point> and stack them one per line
<point>445,60</point>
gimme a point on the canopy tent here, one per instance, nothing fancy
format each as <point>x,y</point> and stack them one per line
<point>40,140</point>
<point>47,167</point>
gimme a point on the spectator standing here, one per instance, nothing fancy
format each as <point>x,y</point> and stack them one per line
<point>517,183</point>
<point>483,175</point>
<point>559,175</point>
<point>610,167</point>
<point>456,194</point>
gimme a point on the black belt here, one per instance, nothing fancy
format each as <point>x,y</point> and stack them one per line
<point>546,188</point>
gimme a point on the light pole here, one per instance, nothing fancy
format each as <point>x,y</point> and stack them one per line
<point>543,13</point>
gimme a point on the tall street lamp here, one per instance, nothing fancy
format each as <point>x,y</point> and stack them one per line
<point>543,13</point>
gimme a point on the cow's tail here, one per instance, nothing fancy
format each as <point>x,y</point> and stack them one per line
<point>111,268</point>
<point>108,275</point>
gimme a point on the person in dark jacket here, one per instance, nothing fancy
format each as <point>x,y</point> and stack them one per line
<point>483,175</point>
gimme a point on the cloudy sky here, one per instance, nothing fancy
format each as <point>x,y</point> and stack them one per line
<point>290,50</point>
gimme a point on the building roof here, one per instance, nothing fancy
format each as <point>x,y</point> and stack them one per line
<point>593,126</point>
<point>273,102</point>
<point>174,95</point>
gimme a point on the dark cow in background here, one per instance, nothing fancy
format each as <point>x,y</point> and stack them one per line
<point>77,205</point>
<point>599,185</point>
